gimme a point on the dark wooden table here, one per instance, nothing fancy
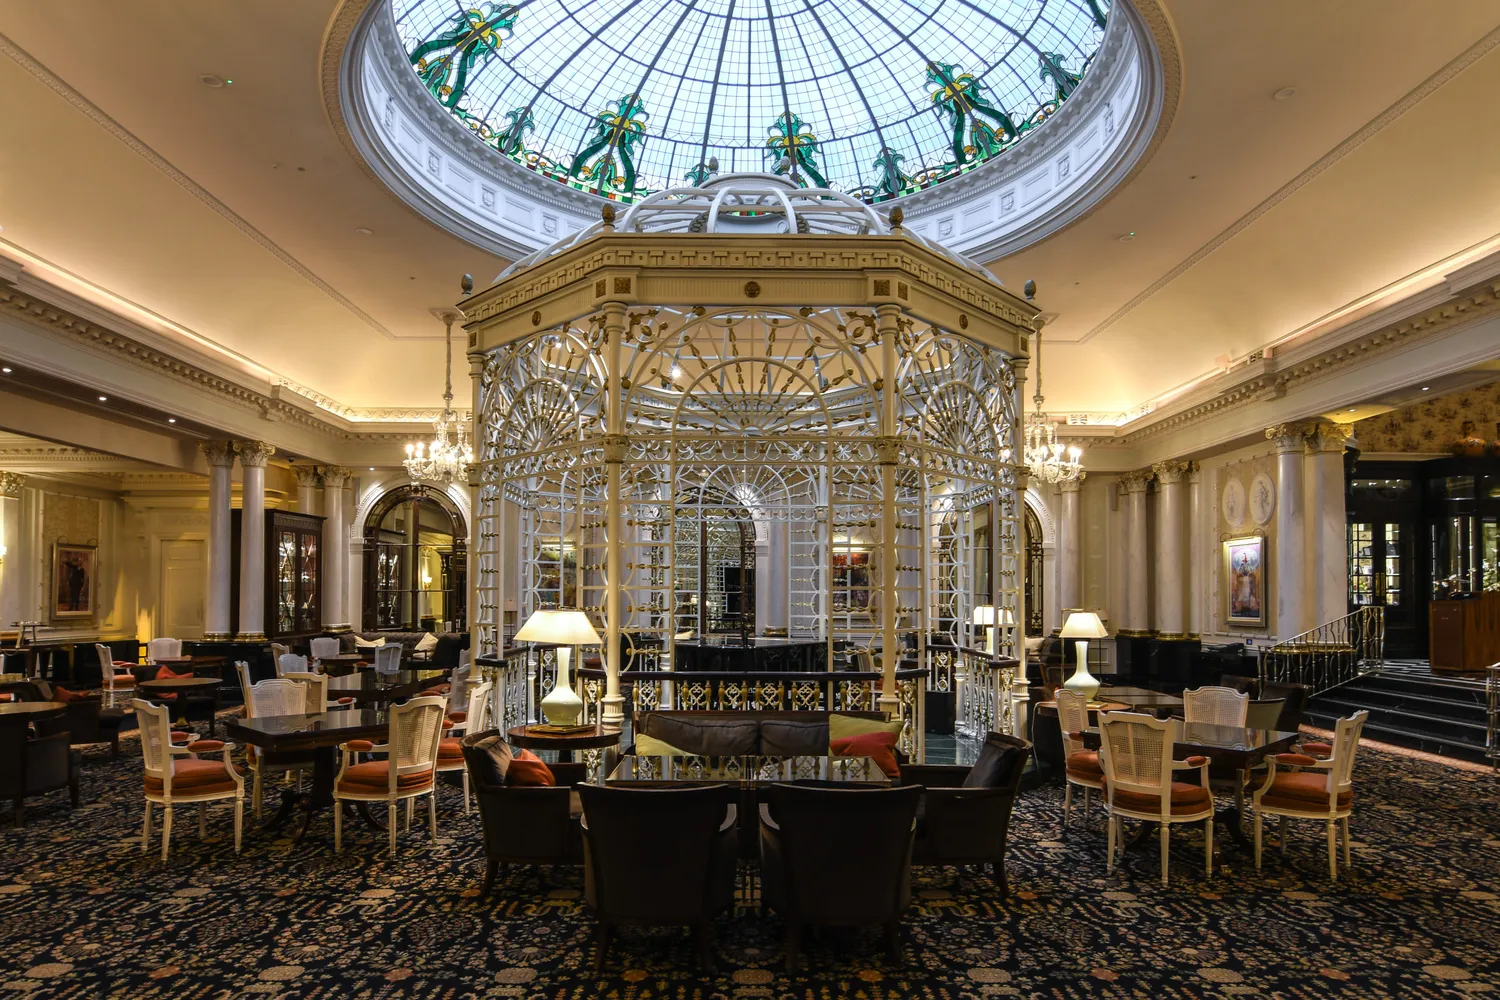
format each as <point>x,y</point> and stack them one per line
<point>206,688</point>
<point>601,737</point>
<point>205,662</point>
<point>319,735</point>
<point>32,709</point>
<point>1230,747</point>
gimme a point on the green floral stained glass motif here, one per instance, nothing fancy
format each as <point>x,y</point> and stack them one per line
<point>875,98</point>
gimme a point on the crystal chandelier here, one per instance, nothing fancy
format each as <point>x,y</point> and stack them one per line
<point>446,457</point>
<point>1048,458</point>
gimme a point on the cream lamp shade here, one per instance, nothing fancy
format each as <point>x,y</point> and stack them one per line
<point>1007,617</point>
<point>1084,625</point>
<point>984,615</point>
<point>564,626</point>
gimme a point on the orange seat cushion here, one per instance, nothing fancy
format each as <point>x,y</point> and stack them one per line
<point>450,749</point>
<point>1186,798</point>
<point>375,776</point>
<point>1302,790</point>
<point>1086,763</point>
<point>193,776</point>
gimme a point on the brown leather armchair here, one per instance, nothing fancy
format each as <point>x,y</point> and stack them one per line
<point>658,857</point>
<point>964,815</point>
<point>811,877</point>
<point>523,825</point>
<point>41,764</point>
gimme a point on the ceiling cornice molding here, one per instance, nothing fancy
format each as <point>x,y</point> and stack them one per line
<point>45,76</point>
<point>1270,378</point>
<point>1414,97</point>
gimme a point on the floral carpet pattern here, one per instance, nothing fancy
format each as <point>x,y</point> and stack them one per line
<point>84,913</point>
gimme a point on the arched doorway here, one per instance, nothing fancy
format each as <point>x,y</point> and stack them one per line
<point>1034,552</point>
<point>416,562</point>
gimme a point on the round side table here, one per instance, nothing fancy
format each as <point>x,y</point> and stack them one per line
<point>592,742</point>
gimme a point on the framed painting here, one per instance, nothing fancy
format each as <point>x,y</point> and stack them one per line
<point>72,580</point>
<point>1245,569</point>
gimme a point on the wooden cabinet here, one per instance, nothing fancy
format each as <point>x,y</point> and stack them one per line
<point>294,573</point>
<point>1465,634</point>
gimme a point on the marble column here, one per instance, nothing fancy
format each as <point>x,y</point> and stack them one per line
<point>1197,527</point>
<point>1287,574</point>
<point>1069,531</point>
<point>1327,546</point>
<point>11,561</point>
<point>1171,534</point>
<point>335,550</point>
<point>253,455</point>
<point>220,455</point>
<point>308,480</point>
<point>1137,620</point>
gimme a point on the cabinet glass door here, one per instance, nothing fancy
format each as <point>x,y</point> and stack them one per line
<point>1361,564</point>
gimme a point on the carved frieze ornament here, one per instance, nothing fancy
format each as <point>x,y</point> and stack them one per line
<point>11,484</point>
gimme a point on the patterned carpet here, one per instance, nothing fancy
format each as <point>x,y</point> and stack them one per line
<point>83,913</point>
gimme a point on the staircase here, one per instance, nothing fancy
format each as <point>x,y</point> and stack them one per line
<point>1411,708</point>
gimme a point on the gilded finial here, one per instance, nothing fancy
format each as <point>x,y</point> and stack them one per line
<point>608,215</point>
<point>1030,289</point>
<point>467,284</point>
<point>897,216</point>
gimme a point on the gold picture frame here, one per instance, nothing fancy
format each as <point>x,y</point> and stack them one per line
<point>73,582</point>
<point>1245,574</point>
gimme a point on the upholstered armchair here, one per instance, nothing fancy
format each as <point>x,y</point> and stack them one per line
<point>522,824</point>
<point>1140,783</point>
<point>34,765</point>
<point>115,676</point>
<point>659,857</point>
<point>1082,767</point>
<point>473,718</point>
<point>963,817</point>
<point>176,775</point>
<point>811,877</point>
<point>1302,786</point>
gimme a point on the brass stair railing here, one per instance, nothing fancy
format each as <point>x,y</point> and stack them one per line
<point>1330,655</point>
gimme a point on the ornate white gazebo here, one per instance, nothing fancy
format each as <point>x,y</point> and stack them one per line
<point>751,403</point>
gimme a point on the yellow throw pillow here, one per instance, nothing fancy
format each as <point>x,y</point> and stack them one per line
<point>841,726</point>
<point>360,642</point>
<point>650,746</point>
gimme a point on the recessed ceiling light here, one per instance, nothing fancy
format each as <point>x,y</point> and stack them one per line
<point>209,80</point>
<point>365,231</point>
<point>5,370</point>
<point>171,420</point>
<point>1127,237</point>
<point>1424,388</point>
<point>103,399</point>
<point>372,468</point>
<point>1284,94</point>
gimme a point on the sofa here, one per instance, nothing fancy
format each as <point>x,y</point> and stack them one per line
<point>444,657</point>
<point>729,734</point>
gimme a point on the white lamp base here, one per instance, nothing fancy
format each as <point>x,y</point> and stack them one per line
<point>1082,681</point>
<point>562,706</point>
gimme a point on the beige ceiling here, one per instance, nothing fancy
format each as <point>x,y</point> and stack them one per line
<point>120,167</point>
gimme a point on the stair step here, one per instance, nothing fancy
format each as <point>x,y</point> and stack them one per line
<point>1408,701</point>
<point>1414,740</point>
<point>1462,729</point>
<point>1458,690</point>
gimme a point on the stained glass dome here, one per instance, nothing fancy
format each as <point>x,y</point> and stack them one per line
<point>875,98</point>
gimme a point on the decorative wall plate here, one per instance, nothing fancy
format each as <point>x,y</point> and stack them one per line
<point>1262,499</point>
<point>1233,503</point>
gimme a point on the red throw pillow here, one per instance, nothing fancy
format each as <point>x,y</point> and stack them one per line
<point>881,747</point>
<point>63,695</point>
<point>166,673</point>
<point>526,768</point>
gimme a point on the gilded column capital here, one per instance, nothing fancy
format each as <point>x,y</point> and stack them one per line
<point>615,447</point>
<point>11,484</point>
<point>253,454</point>
<point>1287,437</point>
<point>888,450</point>
<point>219,453</point>
<point>1072,485</point>
<point>1325,438</point>
<point>1135,482</point>
<point>334,476</point>
<point>1170,473</point>
<point>307,475</point>
<point>1194,473</point>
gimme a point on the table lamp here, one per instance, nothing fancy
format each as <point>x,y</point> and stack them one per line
<point>1083,626</point>
<point>567,627</point>
<point>985,615</point>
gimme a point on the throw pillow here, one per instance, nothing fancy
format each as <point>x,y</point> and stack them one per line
<point>360,642</point>
<point>426,644</point>
<point>650,746</point>
<point>489,759</point>
<point>526,768</point>
<point>995,766</point>
<point>65,696</point>
<point>166,673</point>
<point>709,737</point>
<point>789,738</point>
<point>840,726</point>
<point>879,746</point>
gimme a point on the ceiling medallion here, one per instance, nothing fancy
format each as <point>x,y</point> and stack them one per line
<point>752,289</point>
